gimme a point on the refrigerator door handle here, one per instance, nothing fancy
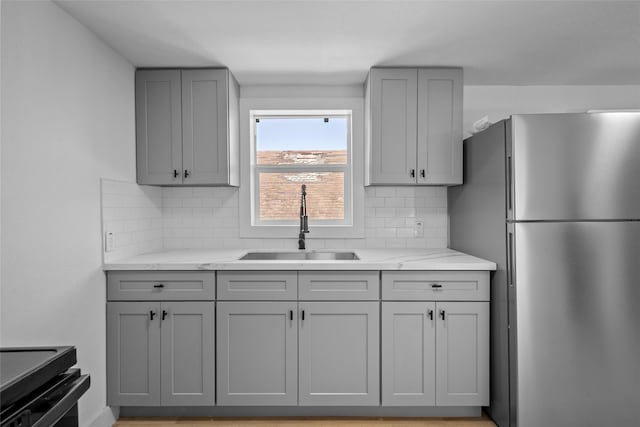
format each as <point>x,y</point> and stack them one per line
<point>509,185</point>
<point>510,259</point>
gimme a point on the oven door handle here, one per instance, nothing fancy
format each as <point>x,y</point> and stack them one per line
<point>79,386</point>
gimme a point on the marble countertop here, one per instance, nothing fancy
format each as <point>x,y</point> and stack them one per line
<point>370,259</point>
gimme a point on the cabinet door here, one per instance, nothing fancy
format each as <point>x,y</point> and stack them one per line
<point>339,353</point>
<point>408,354</point>
<point>188,356</point>
<point>394,114</point>
<point>205,133</point>
<point>462,352</point>
<point>257,353</point>
<point>440,126</point>
<point>158,123</point>
<point>133,353</point>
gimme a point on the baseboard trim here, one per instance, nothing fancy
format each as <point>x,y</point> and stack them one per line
<point>106,418</point>
<point>300,411</point>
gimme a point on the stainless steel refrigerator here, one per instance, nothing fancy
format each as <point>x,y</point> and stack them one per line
<point>554,200</point>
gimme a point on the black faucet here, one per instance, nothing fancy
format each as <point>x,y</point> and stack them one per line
<point>304,221</point>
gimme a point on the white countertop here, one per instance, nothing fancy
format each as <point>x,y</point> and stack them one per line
<point>370,259</point>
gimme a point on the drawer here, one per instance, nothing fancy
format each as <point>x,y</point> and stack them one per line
<point>338,285</point>
<point>257,285</point>
<point>435,285</point>
<point>160,285</point>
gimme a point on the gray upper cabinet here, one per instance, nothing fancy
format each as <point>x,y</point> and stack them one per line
<point>339,353</point>
<point>414,130</point>
<point>393,125</point>
<point>187,127</point>
<point>158,128</point>
<point>257,353</point>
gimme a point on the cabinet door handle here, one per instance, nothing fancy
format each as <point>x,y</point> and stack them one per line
<point>151,314</point>
<point>412,173</point>
<point>159,286</point>
<point>442,314</point>
<point>423,173</point>
<point>176,173</point>
<point>290,314</point>
<point>164,314</point>
<point>302,314</point>
<point>436,285</point>
<point>430,314</point>
<point>186,174</point>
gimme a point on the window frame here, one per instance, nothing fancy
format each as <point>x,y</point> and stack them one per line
<point>345,168</point>
<point>352,227</point>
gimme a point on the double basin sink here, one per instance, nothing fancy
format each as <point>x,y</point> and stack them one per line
<point>300,256</point>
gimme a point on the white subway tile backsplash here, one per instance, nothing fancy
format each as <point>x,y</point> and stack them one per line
<point>133,215</point>
<point>145,219</point>
<point>385,191</point>
<point>394,202</point>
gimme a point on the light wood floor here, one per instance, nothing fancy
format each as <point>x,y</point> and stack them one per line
<point>311,422</point>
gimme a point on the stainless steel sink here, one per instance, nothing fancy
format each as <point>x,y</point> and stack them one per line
<point>300,256</point>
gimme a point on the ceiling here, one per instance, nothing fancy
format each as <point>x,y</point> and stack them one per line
<point>334,42</point>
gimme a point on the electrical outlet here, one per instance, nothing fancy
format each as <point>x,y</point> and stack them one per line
<point>418,229</point>
<point>109,241</point>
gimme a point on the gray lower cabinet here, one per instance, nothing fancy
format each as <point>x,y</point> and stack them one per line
<point>435,353</point>
<point>257,353</point>
<point>408,353</point>
<point>339,353</point>
<point>160,353</point>
<point>133,353</point>
<point>462,353</point>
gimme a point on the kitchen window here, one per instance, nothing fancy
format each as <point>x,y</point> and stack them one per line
<point>288,147</point>
<point>292,148</point>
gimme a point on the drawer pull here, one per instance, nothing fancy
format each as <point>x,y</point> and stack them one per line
<point>430,314</point>
<point>158,286</point>
<point>436,285</point>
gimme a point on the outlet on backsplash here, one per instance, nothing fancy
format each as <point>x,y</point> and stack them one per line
<point>109,241</point>
<point>418,229</point>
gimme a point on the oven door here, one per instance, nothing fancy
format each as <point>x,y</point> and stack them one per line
<point>54,404</point>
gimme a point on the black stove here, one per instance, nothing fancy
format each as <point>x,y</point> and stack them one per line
<point>39,388</point>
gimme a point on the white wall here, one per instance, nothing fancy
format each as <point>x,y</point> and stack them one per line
<point>499,102</point>
<point>68,120</point>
